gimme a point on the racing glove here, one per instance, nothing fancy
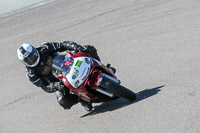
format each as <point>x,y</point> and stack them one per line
<point>78,48</point>
<point>91,50</point>
<point>59,86</point>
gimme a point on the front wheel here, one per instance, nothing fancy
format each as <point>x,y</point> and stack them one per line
<point>117,89</point>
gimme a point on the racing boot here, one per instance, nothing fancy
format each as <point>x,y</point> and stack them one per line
<point>87,105</point>
<point>112,69</point>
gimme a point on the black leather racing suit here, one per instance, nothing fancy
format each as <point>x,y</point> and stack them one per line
<point>41,75</point>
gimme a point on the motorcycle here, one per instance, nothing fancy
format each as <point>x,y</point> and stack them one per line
<point>88,78</point>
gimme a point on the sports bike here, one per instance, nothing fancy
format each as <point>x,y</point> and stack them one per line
<point>88,78</point>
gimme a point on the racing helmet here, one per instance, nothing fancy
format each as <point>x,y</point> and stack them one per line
<point>28,55</point>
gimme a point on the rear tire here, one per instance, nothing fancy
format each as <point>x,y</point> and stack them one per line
<point>117,89</point>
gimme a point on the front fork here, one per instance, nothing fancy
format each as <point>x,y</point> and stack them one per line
<point>98,77</point>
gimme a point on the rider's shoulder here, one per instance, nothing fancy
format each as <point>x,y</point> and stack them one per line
<point>30,70</point>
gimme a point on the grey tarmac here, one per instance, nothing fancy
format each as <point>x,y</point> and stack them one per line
<point>153,44</point>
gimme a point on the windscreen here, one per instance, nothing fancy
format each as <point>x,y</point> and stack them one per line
<point>62,64</point>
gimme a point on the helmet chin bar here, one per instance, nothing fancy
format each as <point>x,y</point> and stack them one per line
<point>36,63</point>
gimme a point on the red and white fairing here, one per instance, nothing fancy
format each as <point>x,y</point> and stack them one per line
<point>84,71</point>
<point>79,71</point>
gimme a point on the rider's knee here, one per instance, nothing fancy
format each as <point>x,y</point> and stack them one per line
<point>66,101</point>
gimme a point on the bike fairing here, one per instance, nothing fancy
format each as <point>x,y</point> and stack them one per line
<point>72,71</point>
<point>93,78</point>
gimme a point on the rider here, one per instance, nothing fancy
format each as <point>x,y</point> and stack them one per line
<point>38,63</point>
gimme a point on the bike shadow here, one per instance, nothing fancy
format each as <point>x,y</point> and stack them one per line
<point>121,102</point>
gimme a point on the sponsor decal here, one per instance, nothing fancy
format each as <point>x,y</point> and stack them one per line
<point>84,78</point>
<point>86,74</point>
<point>67,63</point>
<point>78,63</point>
<point>75,74</point>
<point>87,61</point>
<point>99,81</point>
<point>77,83</point>
<point>83,72</point>
<point>88,71</point>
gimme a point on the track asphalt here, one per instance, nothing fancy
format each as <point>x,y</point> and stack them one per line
<point>153,44</point>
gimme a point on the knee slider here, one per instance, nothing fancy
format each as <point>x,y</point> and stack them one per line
<point>62,101</point>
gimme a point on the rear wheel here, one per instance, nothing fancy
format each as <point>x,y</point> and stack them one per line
<point>117,89</point>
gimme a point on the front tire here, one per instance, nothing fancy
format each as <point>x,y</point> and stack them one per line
<point>117,89</point>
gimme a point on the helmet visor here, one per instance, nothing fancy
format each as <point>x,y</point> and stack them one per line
<point>31,59</point>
